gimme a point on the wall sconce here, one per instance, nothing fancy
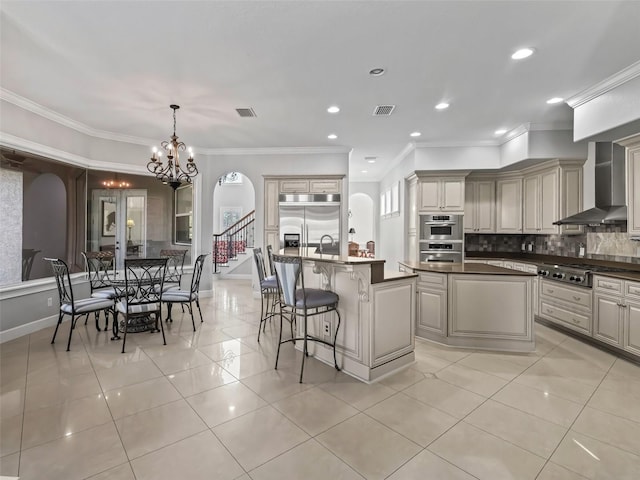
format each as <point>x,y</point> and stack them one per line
<point>352,232</point>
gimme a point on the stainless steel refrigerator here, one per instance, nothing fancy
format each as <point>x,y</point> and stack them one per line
<point>315,218</point>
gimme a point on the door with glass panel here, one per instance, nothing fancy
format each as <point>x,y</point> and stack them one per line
<point>118,223</point>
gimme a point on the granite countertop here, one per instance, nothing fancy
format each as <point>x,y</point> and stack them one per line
<point>309,254</point>
<point>468,268</point>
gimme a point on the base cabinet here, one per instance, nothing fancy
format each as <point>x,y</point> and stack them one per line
<point>566,305</point>
<point>617,313</point>
<point>608,315</point>
<point>432,311</point>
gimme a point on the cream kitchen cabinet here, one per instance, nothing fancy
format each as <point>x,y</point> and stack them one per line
<point>271,212</point>
<point>441,194</point>
<point>480,206</point>
<point>295,185</point>
<point>312,185</point>
<point>566,305</point>
<point>509,205</point>
<point>431,315</point>
<point>633,185</point>
<point>541,205</point>
<point>325,186</point>
<point>617,313</point>
<point>552,194</point>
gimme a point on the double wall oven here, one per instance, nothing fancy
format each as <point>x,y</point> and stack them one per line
<point>441,238</point>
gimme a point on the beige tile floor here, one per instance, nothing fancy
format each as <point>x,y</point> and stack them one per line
<point>210,405</point>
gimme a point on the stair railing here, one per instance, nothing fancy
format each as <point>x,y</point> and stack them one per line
<point>234,240</point>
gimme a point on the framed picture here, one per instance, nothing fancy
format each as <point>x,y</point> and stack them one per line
<point>108,218</point>
<point>229,216</point>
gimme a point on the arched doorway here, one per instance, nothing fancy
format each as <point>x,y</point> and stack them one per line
<point>233,200</point>
<point>361,219</point>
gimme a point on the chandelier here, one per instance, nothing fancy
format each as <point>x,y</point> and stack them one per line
<point>172,173</point>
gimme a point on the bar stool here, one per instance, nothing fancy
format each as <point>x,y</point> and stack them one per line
<point>305,302</point>
<point>268,291</point>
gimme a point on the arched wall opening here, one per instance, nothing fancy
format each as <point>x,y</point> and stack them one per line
<point>361,218</point>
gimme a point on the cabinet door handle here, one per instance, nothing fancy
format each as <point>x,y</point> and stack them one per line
<point>549,310</point>
<point>576,298</point>
<point>550,290</point>
<point>575,320</point>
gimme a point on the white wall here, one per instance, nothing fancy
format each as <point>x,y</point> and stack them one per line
<point>457,158</point>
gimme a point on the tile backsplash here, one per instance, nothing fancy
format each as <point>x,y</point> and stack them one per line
<point>603,243</point>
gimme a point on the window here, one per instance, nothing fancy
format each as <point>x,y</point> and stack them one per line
<point>183,226</point>
<point>390,201</point>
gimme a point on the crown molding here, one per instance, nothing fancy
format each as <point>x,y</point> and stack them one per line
<point>459,144</point>
<point>608,84</point>
<point>18,143</point>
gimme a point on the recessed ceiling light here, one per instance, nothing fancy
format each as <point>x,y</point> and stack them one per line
<point>332,136</point>
<point>442,106</point>
<point>522,53</point>
<point>333,109</point>
<point>364,171</point>
<point>376,72</point>
<point>371,161</point>
<point>415,134</point>
<point>553,100</point>
<point>501,131</point>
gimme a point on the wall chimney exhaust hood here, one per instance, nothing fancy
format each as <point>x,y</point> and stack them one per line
<point>611,205</point>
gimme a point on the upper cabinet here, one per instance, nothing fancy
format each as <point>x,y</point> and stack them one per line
<point>319,185</point>
<point>540,207</point>
<point>441,194</point>
<point>480,206</point>
<point>551,194</point>
<point>633,185</point>
<point>509,205</point>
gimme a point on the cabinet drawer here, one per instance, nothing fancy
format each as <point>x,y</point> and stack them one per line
<point>575,320</point>
<point>632,289</point>
<point>611,285</point>
<point>294,186</point>
<point>433,280</point>
<point>324,186</point>
<point>577,297</point>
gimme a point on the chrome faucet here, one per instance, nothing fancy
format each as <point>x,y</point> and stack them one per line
<point>322,238</point>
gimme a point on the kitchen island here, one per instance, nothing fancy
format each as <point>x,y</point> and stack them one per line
<point>474,305</point>
<point>377,308</point>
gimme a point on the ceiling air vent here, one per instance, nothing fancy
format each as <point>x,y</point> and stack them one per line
<point>246,112</point>
<point>385,110</point>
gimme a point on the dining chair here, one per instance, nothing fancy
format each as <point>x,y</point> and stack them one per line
<point>68,304</point>
<point>187,297</point>
<point>100,267</point>
<point>304,302</point>
<point>140,296</point>
<point>272,269</point>
<point>268,291</point>
<point>175,267</point>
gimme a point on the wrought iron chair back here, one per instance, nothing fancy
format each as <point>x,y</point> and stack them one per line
<point>175,265</point>
<point>186,297</point>
<point>141,295</point>
<point>100,266</point>
<point>272,268</point>
<point>63,280</point>
<point>259,259</point>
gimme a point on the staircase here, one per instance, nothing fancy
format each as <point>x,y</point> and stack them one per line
<point>230,247</point>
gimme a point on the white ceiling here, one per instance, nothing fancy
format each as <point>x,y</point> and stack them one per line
<point>116,67</point>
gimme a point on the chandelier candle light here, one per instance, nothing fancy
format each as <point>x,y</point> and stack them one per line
<point>172,173</point>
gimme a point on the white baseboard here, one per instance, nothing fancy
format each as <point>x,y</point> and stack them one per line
<point>27,328</point>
